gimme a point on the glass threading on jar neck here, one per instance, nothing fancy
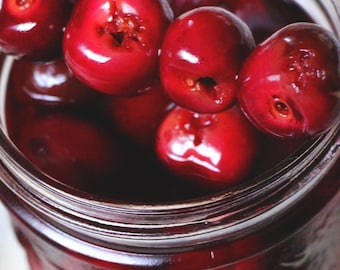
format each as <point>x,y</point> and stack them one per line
<point>230,214</point>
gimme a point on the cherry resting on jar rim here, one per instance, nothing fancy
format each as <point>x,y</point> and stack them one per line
<point>102,112</point>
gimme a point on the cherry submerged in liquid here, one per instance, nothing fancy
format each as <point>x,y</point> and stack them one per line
<point>130,172</point>
<point>32,124</point>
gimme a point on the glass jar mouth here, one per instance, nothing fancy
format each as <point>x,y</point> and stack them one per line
<point>230,212</point>
<point>323,14</point>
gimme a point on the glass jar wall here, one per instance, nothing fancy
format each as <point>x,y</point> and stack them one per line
<point>287,218</point>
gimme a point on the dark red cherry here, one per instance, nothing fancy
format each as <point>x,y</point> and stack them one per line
<point>264,17</point>
<point>48,83</point>
<point>71,150</point>
<point>213,150</point>
<point>33,28</point>
<point>289,85</point>
<point>181,6</point>
<point>113,46</point>
<point>137,117</point>
<point>202,53</point>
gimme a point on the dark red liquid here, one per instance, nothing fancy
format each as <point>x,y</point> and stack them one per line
<point>303,239</point>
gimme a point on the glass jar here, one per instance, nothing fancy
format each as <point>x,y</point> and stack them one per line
<point>287,219</point>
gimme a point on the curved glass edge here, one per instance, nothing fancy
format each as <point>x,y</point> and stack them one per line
<point>207,216</point>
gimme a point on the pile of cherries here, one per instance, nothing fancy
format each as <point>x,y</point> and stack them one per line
<point>159,100</point>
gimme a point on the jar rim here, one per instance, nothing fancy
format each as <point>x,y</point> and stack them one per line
<point>231,212</point>
<point>174,223</point>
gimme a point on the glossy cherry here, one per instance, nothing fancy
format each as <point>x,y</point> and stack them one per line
<point>48,83</point>
<point>33,29</point>
<point>213,150</point>
<point>181,6</point>
<point>137,117</point>
<point>113,46</point>
<point>264,17</point>
<point>73,151</point>
<point>202,53</point>
<point>289,85</point>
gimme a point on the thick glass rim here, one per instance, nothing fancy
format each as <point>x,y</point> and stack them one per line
<point>226,213</point>
<point>203,220</point>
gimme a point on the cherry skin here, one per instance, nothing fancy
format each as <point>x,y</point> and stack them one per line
<point>33,29</point>
<point>137,117</point>
<point>48,83</point>
<point>212,150</point>
<point>289,85</point>
<point>181,6</point>
<point>113,46</point>
<point>264,17</point>
<point>201,56</point>
<point>73,151</point>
